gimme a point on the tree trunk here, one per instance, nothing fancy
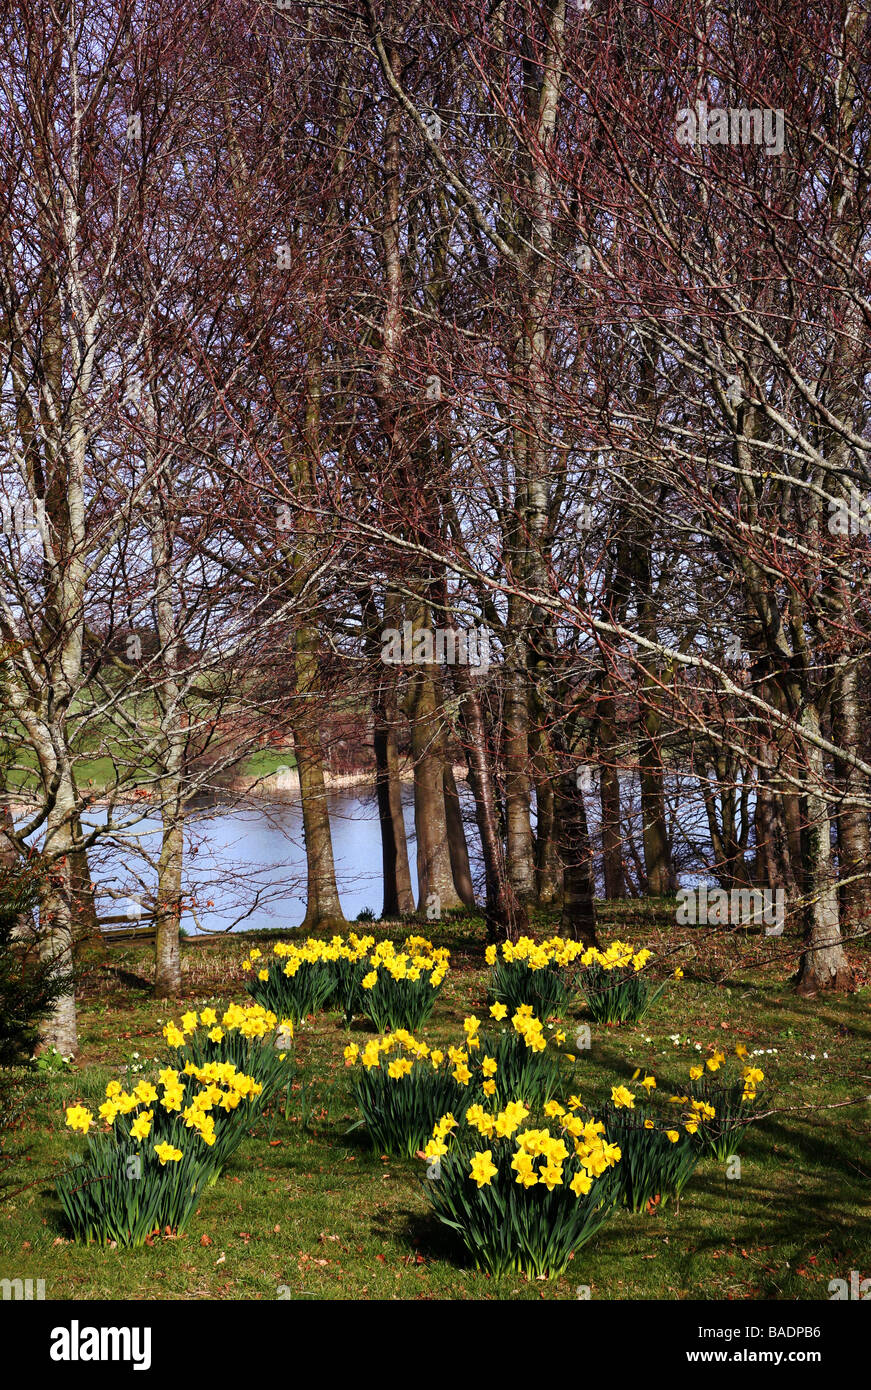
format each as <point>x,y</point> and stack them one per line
<point>55,919</point>
<point>520,849</point>
<point>609,795</point>
<point>823,965</point>
<point>854,840</point>
<point>654,830</point>
<point>548,886</point>
<point>459,850</point>
<point>435,878</point>
<point>398,893</point>
<point>167,979</point>
<point>548,870</point>
<point>774,861</point>
<point>323,908</point>
<point>167,947</point>
<point>793,817</point>
<point>506,916</point>
<point>661,880</point>
<point>579,909</point>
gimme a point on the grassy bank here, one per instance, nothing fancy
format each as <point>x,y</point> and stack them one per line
<point>307,1210</point>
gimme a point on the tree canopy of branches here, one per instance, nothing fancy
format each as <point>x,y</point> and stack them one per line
<point>322,323</point>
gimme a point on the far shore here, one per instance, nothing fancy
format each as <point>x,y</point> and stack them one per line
<point>277,786</point>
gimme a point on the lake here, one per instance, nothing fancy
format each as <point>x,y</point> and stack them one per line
<point>245,864</point>
<point>245,858</point>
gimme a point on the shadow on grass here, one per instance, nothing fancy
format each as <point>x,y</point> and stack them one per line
<point>424,1234</point>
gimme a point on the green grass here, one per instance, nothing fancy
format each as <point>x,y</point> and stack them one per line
<point>308,1206</point>
<point>97,774</point>
<point>266,762</point>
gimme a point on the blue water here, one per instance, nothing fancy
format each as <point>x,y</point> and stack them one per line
<point>245,865</point>
<point>245,860</point>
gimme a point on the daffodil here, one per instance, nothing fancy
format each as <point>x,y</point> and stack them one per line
<point>167,1154</point>
<point>141,1126</point>
<point>79,1117</point>
<point>581,1184</point>
<point>483,1169</point>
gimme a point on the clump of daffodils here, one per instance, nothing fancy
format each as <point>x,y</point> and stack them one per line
<point>521,1197</point>
<point>659,1153</point>
<point>527,1060</point>
<point>399,988</point>
<point>533,973</point>
<point>404,1048</point>
<point>295,980</point>
<point>393,987</point>
<point>153,1150</point>
<point>250,1021</point>
<point>616,983</point>
<point>401,1085</point>
<point>618,956</point>
<point>723,1090</point>
<point>540,955</point>
<point>662,1146</point>
<point>193,1099</point>
<point>248,1036</point>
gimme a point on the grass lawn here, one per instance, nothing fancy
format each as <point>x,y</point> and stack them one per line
<point>267,761</point>
<point>102,758</point>
<point>306,1209</point>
